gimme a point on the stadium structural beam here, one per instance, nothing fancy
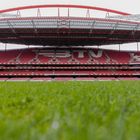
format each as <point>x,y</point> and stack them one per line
<point>38,13</point>
<point>88,14</point>
<point>92,27</point>
<point>64,6</point>
<point>11,27</point>
<point>34,27</point>
<point>114,28</point>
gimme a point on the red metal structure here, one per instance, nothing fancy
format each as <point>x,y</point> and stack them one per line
<point>63,6</point>
<point>62,61</point>
<point>60,30</point>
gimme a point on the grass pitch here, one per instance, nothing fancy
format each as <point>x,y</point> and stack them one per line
<point>70,110</point>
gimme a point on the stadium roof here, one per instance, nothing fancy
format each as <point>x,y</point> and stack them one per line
<point>68,30</point>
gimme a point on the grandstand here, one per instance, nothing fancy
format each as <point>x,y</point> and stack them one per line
<point>70,64</point>
<point>62,61</point>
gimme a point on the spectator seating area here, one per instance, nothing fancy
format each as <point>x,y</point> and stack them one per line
<point>68,64</point>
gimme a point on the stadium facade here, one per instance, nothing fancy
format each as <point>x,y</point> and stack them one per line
<point>65,58</point>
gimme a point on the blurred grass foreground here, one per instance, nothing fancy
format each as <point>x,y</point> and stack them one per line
<point>98,110</point>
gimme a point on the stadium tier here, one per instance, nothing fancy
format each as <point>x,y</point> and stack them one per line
<point>73,31</point>
<point>66,56</point>
<point>64,63</point>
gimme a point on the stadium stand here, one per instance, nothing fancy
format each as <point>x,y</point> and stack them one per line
<point>75,61</point>
<point>68,64</point>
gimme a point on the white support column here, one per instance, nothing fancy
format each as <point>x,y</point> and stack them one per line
<point>119,47</point>
<point>18,14</point>
<point>88,14</point>
<point>38,13</point>
<point>58,12</point>
<point>137,46</point>
<point>107,15</point>
<point>68,12</point>
<point>5,47</point>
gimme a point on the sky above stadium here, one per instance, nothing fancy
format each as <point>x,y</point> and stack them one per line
<point>129,6</point>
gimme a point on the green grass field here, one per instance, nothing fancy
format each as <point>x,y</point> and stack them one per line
<point>70,110</point>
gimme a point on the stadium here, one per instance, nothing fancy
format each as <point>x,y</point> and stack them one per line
<point>65,58</point>
<point>69,82</point>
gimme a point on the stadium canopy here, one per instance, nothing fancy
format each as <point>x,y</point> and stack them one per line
<point>74,28</point>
